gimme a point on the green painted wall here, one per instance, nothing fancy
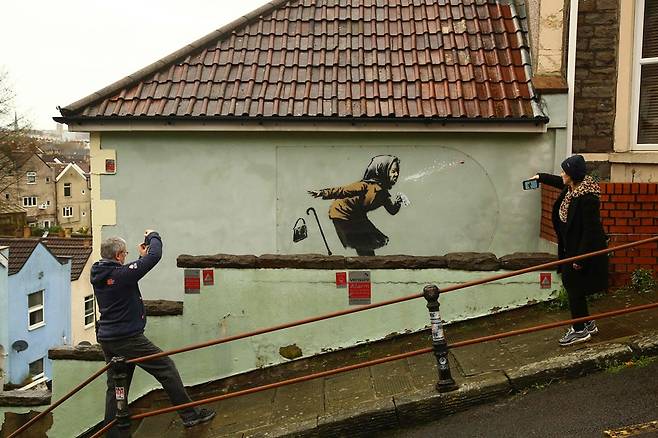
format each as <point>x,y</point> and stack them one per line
<point>241,193</point>
<point>244,300</point>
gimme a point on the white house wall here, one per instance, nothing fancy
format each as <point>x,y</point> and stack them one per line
<point>241,193</point>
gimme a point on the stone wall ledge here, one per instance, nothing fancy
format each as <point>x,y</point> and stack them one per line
<point>24,398</point>
<point>163,308</point>
<point>80,352</point>
<point>465,261</point>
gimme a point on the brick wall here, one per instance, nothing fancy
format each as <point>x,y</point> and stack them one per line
<point>596,75</point>
<point>629,212</point>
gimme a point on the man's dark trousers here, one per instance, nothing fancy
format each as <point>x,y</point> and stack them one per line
<point>163,369</point>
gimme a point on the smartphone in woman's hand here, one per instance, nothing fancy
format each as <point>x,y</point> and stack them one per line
<point>530,184</point>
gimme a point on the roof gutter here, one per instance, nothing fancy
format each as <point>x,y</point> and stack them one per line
<point>317,124</point>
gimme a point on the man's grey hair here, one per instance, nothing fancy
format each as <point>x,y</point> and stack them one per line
<point>111,246</point>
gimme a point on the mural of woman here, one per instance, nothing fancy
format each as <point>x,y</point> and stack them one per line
<point>349,210</point>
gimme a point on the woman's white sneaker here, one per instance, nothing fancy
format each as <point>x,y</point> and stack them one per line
<point>574,337</point>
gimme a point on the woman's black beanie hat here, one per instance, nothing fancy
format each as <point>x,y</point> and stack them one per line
<point>575,167</point>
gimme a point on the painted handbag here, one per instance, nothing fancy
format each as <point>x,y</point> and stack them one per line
<point>299,231</point>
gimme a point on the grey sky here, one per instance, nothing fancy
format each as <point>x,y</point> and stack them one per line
<point>57,52</point>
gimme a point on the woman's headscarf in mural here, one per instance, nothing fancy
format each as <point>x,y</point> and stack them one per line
<point>377,171</point>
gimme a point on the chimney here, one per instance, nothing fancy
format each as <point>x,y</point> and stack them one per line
<point>27,232</point>
<point>67,232</point>
<point>61,233</point>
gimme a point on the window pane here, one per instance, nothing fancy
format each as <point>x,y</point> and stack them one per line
<point>89,304</point>
<point>36,317</point>
<point>35,299</point>
<point>650,36</point>
<point>89,319</point>
<point>648,111</point>
<point>36,367</point>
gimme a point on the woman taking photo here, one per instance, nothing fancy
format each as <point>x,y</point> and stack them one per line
<point>577,223</point>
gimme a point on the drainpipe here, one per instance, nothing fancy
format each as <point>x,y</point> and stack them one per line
<point>571,71</point>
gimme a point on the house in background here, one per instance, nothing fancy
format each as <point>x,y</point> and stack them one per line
<point>33,189</point>
<point>12,219</point>
<point>83,305</point>
<point>73,199</point>
<point>616,88</point>
<point>35,309</point>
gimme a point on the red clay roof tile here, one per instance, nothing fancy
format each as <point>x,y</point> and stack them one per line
<point>327,58</point>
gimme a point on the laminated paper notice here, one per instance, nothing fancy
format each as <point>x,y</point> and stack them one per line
<point>192,281</point>
<point>359,287</point>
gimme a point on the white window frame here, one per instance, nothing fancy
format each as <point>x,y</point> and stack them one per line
<point>638,62</point>
<point>29,198</point>
<point>70,187</point>
<point>31,177</point>
<point>46,226</point>
<point>67,209</point>
<point>91,313</point>
<point>36,309</point>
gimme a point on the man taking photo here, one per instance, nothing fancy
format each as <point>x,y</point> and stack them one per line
<point>120,329</point>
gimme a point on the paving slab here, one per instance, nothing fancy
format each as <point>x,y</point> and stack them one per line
<point>480,358</point>
<point>349,388</point>
<point>154,426</point>
<point>391,378</point>
<point>298,403</point>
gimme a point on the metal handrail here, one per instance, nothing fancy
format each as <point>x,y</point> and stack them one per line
<point>541,267</point>
<point>219,341</point>
<point>380,361</point>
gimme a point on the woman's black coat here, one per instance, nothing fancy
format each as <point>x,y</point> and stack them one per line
<point>581,234</point>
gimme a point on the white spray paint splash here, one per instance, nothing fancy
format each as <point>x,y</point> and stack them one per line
<point>405,202</point>
<point>437,166</point>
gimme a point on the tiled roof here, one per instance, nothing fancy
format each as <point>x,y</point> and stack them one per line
<point>78,249</point>
<point>371,59</point>
<point>20,251</point>
<point>9,208</point>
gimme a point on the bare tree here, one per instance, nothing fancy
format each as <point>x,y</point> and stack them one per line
<point>15,141</point>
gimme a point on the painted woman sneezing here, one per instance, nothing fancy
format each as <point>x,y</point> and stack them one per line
<point>349,210</point>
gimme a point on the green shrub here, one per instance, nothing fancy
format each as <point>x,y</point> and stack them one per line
<point>643,281</point>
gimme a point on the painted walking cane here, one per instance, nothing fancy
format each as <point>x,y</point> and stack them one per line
<point>308,212</point>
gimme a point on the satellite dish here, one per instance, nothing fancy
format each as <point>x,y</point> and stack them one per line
<point>19,346</point>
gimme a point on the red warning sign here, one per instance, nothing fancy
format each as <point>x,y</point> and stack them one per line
<point>208,277</point>
<point>341,279</point>
<point>545,280</point>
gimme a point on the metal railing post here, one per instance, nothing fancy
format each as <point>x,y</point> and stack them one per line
<point>119,370</point>
<point>439,345</point>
